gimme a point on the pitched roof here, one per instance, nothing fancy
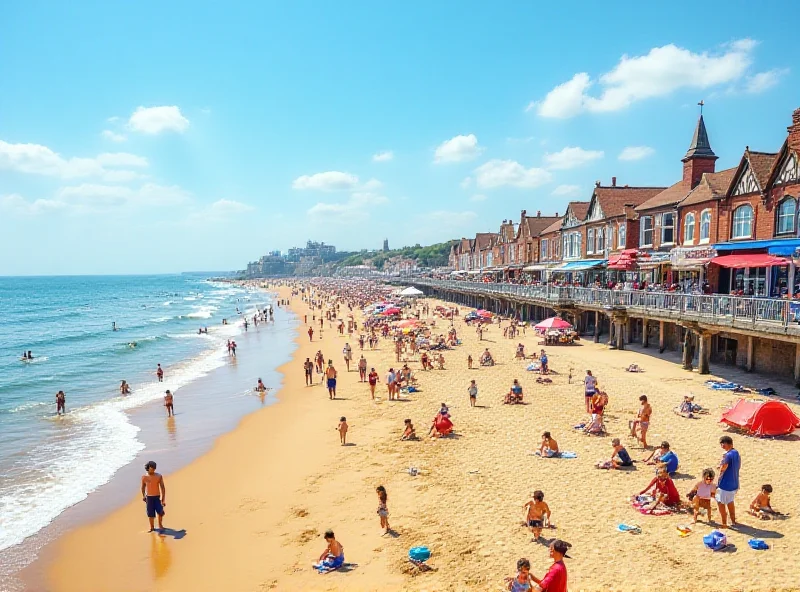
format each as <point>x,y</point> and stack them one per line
<point>554,227</point>
<point>484,240</point>
<point>613,200</point>
<point>579,209</point>
<point>711,186</point>
<point>667,197</point>
<point>700,146</point>
<point>761,163</point>
<point>538,224</point>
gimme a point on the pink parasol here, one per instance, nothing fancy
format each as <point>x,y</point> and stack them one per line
<point>553,323</point>
<point>407,323</point>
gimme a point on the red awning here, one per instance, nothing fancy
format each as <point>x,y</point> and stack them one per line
<point>752,260</point>
<point>622,261</point>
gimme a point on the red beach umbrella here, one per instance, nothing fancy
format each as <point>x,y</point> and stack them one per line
<point>553,323</point>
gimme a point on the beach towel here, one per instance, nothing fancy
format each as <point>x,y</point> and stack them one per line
<point>642,503</point>
<point>629,528</point>
<point>758,544</point>
<point>769,392</point>
<point>329,564</point>
<point>715,540</point>
<point>413,389</point>
<point>533,368</point>
<point>562,454</point>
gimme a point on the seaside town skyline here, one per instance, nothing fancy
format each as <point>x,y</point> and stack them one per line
<point>165,156</point>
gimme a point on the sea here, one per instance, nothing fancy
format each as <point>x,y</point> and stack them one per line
<point>68,324</point>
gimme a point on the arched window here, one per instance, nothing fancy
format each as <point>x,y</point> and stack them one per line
<point>705,226</point>
<point>688,229</point>
<point>743,222</point>
<point>786,215</point>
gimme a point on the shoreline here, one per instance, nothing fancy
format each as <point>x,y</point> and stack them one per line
<point>255,505</point>
<point>206,408</point>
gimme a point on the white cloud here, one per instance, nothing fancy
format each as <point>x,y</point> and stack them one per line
<point>457,149</point>
<point>121,159</point>
<point>660,72</point>
<point>497,173</point>
<point>113,136</point>
<point>149,194</point>
<point>154,120</point>
<point>466,183</point>
<point>478,197</point>
<point>371,185</point>
<point>357,208</point>
<point>763,81</point>
<point>224,207</point>
<point>113,119</point>
<point>17,204</point>
<point>384,156</point>
<point>328,181</point>
<point>40,160</point>
<point>571,157</point>
<point>570,190</point>
<point>636,152</point>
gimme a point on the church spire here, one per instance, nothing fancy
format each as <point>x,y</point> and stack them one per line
<point>700,146</point>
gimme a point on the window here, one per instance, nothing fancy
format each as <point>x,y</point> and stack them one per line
<point>743,222</point>
<point>544,254</point>
<point>590,241</point>
<point>572,245</point>
<point>668,229</point>
<point>622,230</point>
<point>646,230</point>
<point>705,226</point>
<point>600,242</point>
<point>786,212</point>
<point>688,229</point>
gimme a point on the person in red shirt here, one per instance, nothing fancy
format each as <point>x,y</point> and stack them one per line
<point>555,580</point>
<point>373,380</point>
<point>664,490</point>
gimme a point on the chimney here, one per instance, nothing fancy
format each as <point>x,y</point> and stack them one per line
<point>524,212</point>
<point>538,213</point>
<point>597,183</point>
<point>794,131</point>
<point>613,181</point>
<point>556,214</point>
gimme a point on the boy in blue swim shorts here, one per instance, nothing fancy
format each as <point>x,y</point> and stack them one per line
<point>154,494</point>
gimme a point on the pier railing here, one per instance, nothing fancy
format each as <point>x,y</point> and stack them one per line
<point>713,308</point>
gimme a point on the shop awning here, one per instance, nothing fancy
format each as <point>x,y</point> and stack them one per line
<point>582,265</point>
<point>777,246</point>
<point>623,262</point>
<point>751,260</point>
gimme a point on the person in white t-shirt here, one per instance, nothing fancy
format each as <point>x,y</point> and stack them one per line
<point>590,388</point>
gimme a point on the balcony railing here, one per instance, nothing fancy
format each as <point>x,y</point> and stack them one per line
<point>720,308</point>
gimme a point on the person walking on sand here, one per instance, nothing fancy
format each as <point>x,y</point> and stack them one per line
<point>160,373</point>
<point>642,421</point>
<point>330,376</point>
<point>311,333</point>
<point>347,351</point>
<point>61,403</point>
<point>473,393</point>
<point>590,388</point>
<point>373,382</point>
<point>154,494</point>
<point>362,368</point>
<point>308,368</point>
<point>391,379</point>
<point>342,429</point>
<point>383,509</point>
<point>168,404</point>
<point>728,482</point>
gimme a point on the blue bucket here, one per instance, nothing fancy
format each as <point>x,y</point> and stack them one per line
<point>420,554</point>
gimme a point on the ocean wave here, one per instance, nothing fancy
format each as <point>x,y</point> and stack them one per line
<point>28,406</point>
<point>167,303</point>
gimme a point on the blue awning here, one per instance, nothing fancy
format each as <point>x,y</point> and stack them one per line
<point>783,247</point>
<point>582,265</point>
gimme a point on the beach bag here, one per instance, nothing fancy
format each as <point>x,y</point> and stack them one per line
<point>715,540</point>
<point>758,544</point>
<point>419,554</point>
<point>412,389</point>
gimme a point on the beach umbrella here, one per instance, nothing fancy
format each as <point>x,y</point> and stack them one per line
<point>391,311</point>
<point>407,323</point>
<point>553,323</point>
<point>484,313</point>
<point>412,292</point>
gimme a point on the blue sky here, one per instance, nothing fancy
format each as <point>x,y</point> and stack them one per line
<point>140,138</point>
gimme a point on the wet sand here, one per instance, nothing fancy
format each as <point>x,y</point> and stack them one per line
<point>254,507</point>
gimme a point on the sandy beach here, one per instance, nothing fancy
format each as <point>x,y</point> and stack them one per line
<point>250,513</point>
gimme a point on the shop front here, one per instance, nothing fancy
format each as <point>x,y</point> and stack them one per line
<point>579,272</point>
<point>689,266</point>
<point>765,268</point>
<point>654,269</point>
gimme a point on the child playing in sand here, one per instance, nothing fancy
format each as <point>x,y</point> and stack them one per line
<point>469,361</point>
<point>701,494</point>
<point>333,555</point>
<point>408,433</point>
<point>383,510</point>
<point>761,506</point>
<point>473,393</point>
<point>342,429</point>
<point>549,447</point>
<point>537,514</point>
<point>522,582</point>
